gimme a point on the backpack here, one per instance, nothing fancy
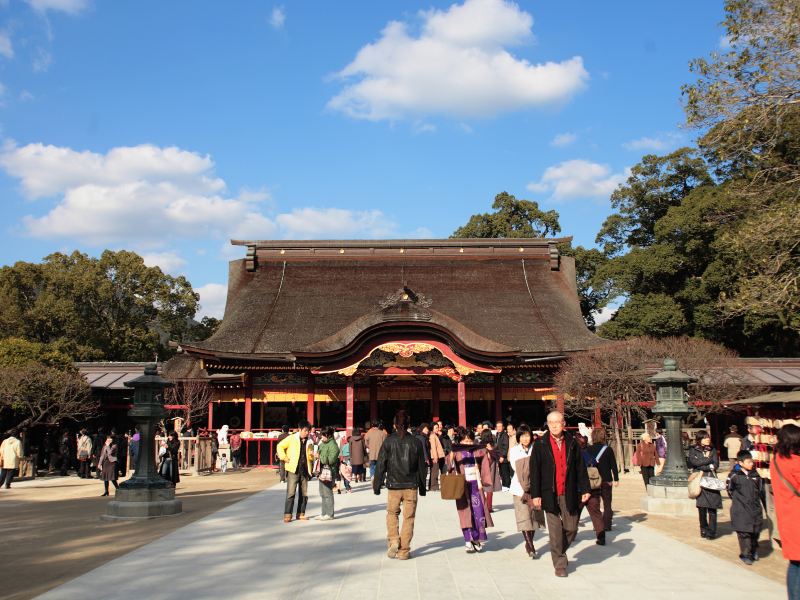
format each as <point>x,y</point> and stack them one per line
<point>595,479</point>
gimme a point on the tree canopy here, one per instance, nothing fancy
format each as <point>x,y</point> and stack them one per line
<point>511,218</point>
<point>112,308</point>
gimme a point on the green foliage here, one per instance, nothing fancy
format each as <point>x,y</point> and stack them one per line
<point>17,352</point>
<point>511,218</point>
<point>654,185</point>
<point>593,292</point>
<point>112,308</point>
<point>204,329</point>
<point>654,315</point>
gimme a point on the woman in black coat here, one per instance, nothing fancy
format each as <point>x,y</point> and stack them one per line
<point>703,457</point>
<point>748,499</point>
<point>171,472</point>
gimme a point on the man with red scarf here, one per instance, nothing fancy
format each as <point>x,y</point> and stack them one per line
<point>559,484</point>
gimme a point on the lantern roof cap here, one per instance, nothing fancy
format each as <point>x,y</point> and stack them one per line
<point>670,374</point>
<point>151,378</point>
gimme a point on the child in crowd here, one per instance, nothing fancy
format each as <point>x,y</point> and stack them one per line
<point>223,462</point>
<point>747,493</point>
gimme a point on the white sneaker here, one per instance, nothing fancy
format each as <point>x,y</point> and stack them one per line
<point>478,546</point>
<point>469,547</point>
<point>324,518</point>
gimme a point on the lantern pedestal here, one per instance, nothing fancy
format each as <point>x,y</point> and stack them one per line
<point>144,503</point>
<point>668,500</point>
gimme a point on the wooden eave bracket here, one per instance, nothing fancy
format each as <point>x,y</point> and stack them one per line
<point>251,259</point>
<point>555,258</point>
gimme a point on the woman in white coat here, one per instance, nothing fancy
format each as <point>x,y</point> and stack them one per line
<point>528,518</point>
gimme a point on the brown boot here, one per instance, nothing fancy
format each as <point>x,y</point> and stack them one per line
<point>287,518</point>
<point>529,548</point>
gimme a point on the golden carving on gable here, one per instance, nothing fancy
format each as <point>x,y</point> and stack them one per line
<point>406,350</point>
<point>409,356</point>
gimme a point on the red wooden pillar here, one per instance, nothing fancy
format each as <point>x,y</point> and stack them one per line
<point>373,400</point>
<point>598,415</point>
<point>211,415</point>
<point>248,402</point>
<point>310,393</point>
<point>498,397</point>
<point>560,403</point>
<point>351,396</point>
<point>462,403</point>
<point>435,398</point>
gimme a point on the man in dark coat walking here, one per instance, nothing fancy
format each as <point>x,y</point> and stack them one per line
<point>501,447</point>
<point>559,484</point>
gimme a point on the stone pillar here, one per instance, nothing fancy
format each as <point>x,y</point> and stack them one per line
<point>310,393</point>
<point>351,396</point>
<point>462,403</point>
<point>146,494</point>
<point>498,397</point>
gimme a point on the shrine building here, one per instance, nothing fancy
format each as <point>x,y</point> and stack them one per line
<point>340,331</point>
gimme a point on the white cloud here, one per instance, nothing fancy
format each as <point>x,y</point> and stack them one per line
<point>577,179</point>
<point>604,314</point>
<point>42,60</point>
<point>457,66</point>
<point>563,139</point>
<point>6,48</point>
<point>659,143</point>
<point>278,17</point>
<point>72,7</point>
<point>169,262</point>
<point>314,223</point>
<point>212,300</point>
<point>26,96</point>
<point>145,195</point>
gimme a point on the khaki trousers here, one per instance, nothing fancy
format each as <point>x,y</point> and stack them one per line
<point>562,529</point>
<point>408,498</point>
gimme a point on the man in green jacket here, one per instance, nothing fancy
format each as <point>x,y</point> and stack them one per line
<point>328,454</point>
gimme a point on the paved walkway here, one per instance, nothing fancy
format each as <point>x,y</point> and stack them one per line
<point>245,552</point>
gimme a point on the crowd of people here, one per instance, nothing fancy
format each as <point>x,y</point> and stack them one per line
<point>546,473</point>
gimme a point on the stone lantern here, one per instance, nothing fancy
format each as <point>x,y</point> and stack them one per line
<point>668,492</point>
<point>146,494</point>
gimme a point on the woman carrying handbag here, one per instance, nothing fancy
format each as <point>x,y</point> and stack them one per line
<point>703,458</point>
<point>471,461</point>
<point>528,518</point>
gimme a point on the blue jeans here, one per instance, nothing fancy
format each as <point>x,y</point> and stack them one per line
<point>372,465</point>
<point>793,580</point>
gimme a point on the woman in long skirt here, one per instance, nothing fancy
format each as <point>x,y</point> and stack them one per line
<point>107,464</point>
<point>528,518</point>
<point>467,459</point>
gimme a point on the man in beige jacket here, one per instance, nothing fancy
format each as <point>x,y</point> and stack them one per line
<point>10,454</point>
<point>374,440</point>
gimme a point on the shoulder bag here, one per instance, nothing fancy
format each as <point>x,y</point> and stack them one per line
<point>452,486</point>
<point>595,479</point>
<point>694,484</point>
<point>784,480</point>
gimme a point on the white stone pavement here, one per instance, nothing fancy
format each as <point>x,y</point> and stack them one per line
<point>245,552</point>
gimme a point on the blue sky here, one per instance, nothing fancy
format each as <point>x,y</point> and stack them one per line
<point>169,128</point>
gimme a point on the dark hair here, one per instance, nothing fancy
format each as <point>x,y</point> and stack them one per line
<point>367,424</point>
<point>304,425</point>
<point>423,426</point>
<point>598,435</point>
<point>357,430</point>
<point>743,455</point>
<point>462,433</point>
<point>788,441</point>
<point>172,434</point>
<point>328,432</point>
<point>700,436</point>
<point>487,437</point>
<point>522,430</point>
<point>503,423</point>
<point>285,429</point>
<point>13,433</point>
<point>401,422</point>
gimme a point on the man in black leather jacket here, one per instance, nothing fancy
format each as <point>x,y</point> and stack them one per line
<point>401,462</point>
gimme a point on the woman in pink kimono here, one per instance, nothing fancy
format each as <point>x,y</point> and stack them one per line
<point>474,462</point>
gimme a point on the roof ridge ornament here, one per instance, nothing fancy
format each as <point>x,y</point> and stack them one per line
<point>405,295</point>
